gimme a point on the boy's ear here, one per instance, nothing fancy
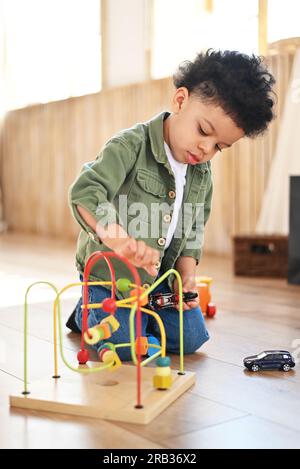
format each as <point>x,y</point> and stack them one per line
<point>181,95</point>
<point>180,101</point>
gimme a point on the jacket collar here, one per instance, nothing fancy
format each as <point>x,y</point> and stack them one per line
<point>156,134</point>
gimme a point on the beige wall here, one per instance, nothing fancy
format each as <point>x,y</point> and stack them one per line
<point>44,147</point>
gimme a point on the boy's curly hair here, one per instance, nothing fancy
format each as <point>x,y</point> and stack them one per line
<point>239,83</point>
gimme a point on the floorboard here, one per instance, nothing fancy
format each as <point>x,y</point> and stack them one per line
<point>227,408</point>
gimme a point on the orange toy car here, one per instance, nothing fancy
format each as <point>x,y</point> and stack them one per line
<point>203,286</point>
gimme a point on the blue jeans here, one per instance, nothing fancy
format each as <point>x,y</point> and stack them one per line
<point>194,330</point>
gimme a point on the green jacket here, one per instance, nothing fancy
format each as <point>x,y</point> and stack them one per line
<point>133,169</point>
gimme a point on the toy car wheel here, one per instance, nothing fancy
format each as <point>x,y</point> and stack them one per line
<point>286,367</point>
<point>254,367</point>
<point>211,310</point>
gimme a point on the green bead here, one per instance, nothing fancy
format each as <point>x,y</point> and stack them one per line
<point>163,361</point>
<point>106,345</point>
<point>110,346</point>
<point>123,284</point>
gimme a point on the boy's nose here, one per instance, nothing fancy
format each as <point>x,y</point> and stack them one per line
<point>207,149</point>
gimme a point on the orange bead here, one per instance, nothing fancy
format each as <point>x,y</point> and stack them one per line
<point>141,344</point>
<point>134,292</point>
<point>106,329</point>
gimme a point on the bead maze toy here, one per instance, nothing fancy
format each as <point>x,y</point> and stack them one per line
<point>87,392</point>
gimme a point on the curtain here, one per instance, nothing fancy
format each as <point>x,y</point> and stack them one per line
<point>274,215</point>
<point>2,109</point>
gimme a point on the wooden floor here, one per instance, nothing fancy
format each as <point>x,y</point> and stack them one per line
<point>227,408</point>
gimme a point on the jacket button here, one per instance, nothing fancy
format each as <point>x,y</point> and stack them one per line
<point>172,194</point>
<point>146,286</point>
<point>91,235</point>
<point>161,241</point>
<point>167,218</point>
<point>157,264</point>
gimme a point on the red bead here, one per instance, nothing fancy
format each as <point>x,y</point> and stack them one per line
<point>211,310</point>
<point>83,356</point>
<point>109,305</point>
<point>102,352</point>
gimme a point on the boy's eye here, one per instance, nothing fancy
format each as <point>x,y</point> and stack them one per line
<point>203,133</point>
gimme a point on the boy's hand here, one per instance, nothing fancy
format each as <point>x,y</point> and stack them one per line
<point>115,237</point>
<point>139,254</point>
<point>188,285</point>
<point>186,266</point>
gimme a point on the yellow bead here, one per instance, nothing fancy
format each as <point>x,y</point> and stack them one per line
<point>117,362</point>
<point>112,321</point>
<point>162,371</point>
<point>162,382</point>
<point>108,356</point>
<point>92,336</point>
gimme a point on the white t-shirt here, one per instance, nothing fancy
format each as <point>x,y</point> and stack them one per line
<point>179,170</point>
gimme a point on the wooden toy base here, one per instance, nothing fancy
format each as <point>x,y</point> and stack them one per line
<point>107,395</point>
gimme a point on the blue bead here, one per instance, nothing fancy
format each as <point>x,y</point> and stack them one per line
<point>155,341</point>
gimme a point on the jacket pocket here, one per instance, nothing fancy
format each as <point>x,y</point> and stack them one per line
<point>146,195</point>
<point>150,183</point>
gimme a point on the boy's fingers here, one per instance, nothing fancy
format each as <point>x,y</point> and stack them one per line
<point>132,245</point>
<point>151,256</point>
<point>152,270</point>
<point>140,251</point>
<point>147,259</point>
<point>184,306</point>
<point>128,249</point>
<point>140,255</point>
<point>192,304</point>
<point>155,256</point>
<point>188,305</point>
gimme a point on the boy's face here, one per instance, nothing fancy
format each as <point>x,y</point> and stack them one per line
<point>196,131</point>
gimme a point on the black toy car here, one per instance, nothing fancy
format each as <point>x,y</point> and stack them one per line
<point>166,300</point>
<point>270,360</point>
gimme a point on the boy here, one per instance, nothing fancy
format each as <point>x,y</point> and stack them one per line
<point>147,196</point>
